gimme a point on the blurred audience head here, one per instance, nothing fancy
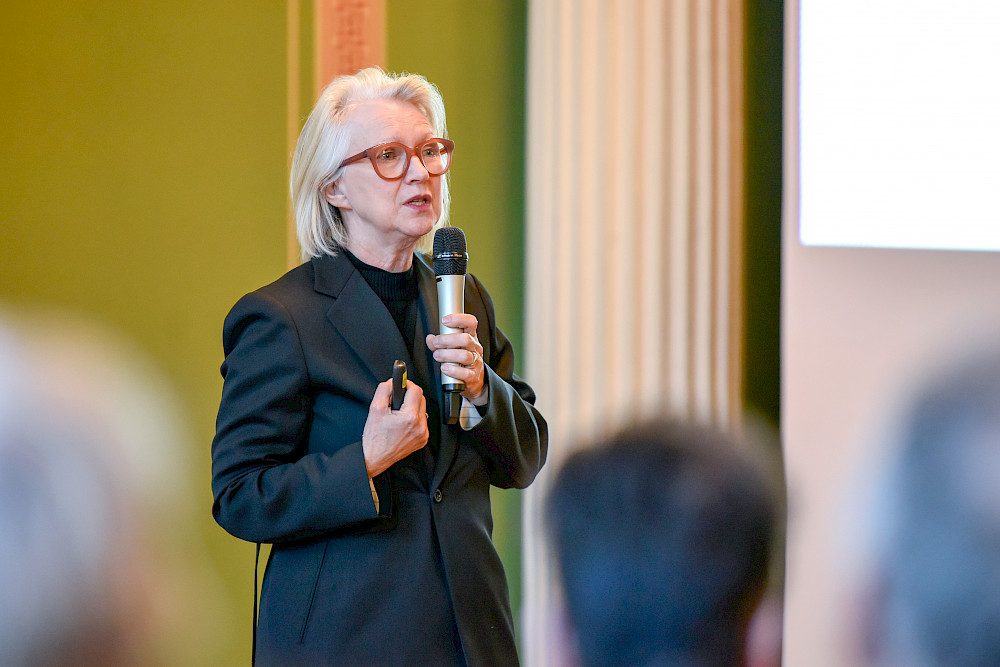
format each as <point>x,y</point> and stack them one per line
<point>85,441</point>
<point>663,536</point>
<point>934,594</point>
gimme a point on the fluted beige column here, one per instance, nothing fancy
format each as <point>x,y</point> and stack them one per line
<point>634,211</point>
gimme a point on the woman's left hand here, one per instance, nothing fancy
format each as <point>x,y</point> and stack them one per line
<point>461,355</point>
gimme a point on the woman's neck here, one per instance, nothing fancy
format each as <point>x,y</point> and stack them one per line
<point>394,260</point>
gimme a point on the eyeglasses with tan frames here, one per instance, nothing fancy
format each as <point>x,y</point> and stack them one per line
<point>392,159</point>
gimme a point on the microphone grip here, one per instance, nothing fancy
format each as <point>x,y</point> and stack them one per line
<point>451,299</point>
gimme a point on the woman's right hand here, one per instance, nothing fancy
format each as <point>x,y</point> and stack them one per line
<point>391,435</point>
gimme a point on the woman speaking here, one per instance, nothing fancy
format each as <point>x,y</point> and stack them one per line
<point>379,518</point>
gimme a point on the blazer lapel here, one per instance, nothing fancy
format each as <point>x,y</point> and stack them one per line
<point>429,322</point>
<point>360,317</point>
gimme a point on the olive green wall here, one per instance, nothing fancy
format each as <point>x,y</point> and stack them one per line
<point>763,58</point>
<point>142,184</point>
<point>475,53</point>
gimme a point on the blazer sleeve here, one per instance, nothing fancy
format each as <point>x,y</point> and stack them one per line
<point>512,437</point>
<point>267,488</point>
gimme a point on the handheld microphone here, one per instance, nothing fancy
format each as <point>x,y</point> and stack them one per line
<point>450,264</point>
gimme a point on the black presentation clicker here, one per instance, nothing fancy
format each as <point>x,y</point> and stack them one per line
<point>398,383</point>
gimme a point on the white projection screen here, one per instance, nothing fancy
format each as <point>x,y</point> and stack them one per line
<point>900,123</point>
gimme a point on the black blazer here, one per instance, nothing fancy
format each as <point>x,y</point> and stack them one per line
<point>418,583</point>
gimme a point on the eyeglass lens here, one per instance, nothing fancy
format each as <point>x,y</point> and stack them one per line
<point>391,160</point>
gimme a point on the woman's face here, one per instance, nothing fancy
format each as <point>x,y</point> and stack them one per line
<point>391,215</point>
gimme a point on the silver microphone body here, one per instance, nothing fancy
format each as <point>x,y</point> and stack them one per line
<point>451,299</point>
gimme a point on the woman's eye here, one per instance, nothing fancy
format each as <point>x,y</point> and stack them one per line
<point>388,154</point>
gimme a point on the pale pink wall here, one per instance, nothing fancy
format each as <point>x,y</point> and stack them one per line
<point>859,328</point>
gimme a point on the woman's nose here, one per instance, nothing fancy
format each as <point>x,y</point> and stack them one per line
<point>418,172</point>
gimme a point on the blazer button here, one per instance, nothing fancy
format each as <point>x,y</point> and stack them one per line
<point>438,495</point>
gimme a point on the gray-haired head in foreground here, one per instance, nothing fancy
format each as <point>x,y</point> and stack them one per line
<point>663,535</point>
<point>60,518</point>
<point>325,142</point>
<point>938,569</point>
<point>91,472</point>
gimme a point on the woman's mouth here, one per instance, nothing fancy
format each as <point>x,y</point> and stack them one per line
<point>421,200</point>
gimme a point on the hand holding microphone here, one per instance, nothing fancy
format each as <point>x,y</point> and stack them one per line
<point>457,348</point>
<point>461,355</point>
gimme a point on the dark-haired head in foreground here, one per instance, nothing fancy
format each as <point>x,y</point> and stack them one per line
<point>663,535</point>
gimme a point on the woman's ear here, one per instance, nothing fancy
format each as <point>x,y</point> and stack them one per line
<point>336,197</point>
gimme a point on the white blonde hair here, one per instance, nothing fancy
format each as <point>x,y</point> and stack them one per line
<point>323,145</point>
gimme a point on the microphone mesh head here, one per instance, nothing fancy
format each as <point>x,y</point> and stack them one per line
<point>450,256</point>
